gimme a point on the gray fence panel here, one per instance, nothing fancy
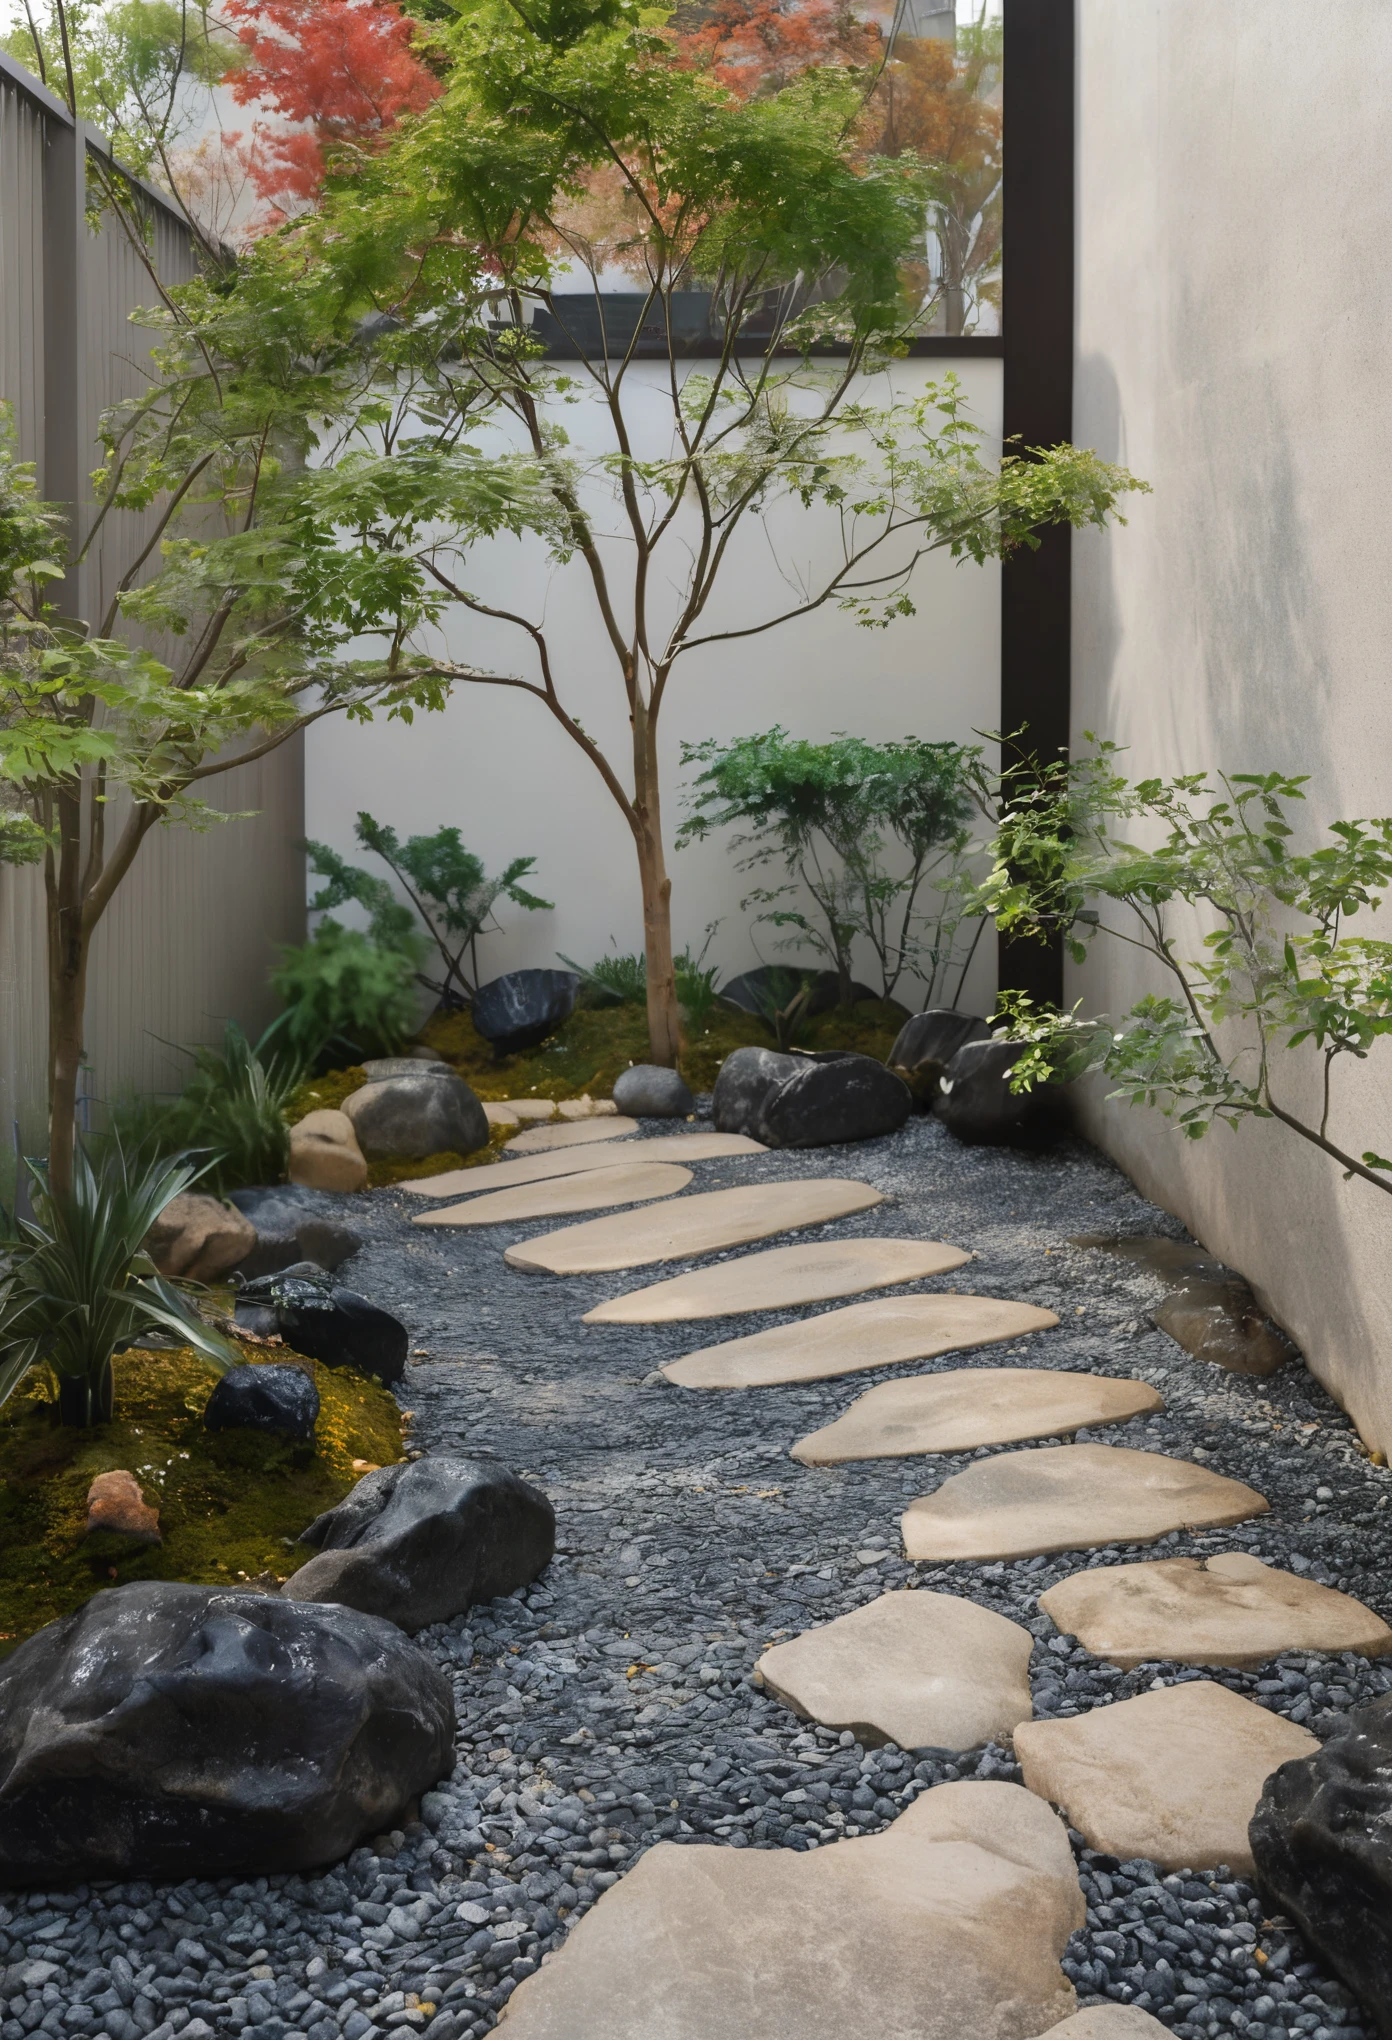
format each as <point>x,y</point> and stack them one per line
<point>192,933</point>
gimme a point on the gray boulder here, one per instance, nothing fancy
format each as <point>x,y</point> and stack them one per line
<point>926,1044</point>
<point>427,1065</point>
<point>167,1731</point>
<point>774,985</point>
<point>423,1113</point>
<point>648,1091</point>
<point>280,1399</point>
<point>422,1542</point>
<point>1322,1841</point>
<point>292,1224</point>
<point>808,1100</point>
<point>976,1104</point>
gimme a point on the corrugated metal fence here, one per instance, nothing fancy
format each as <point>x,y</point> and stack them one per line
<point>191,934</point>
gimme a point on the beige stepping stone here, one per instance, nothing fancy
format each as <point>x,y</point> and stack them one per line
<point>1109,2022</point>
<point>918,1669</point>
<point>1173,1776</point>
<point>972,1406</point>
<point>538,1140</point>
<point>666,1147</point>
<point>811,1272</point>
<point>1069,1498</point>
<point>697,1225</point>
<point>1226,1610</point>
<point>530,1108</point>
<point>880,1333</point>
<point>586,1107</point>
<point>947,1926</point>
<point>500,1115</point>
<point>591,1190</point>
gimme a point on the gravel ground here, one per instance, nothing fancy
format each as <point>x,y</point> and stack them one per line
<point>611,1706</point>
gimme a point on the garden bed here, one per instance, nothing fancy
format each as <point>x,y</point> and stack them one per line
<point>231,1503</point>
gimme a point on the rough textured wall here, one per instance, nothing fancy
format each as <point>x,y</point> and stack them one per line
<point>1234,220</point>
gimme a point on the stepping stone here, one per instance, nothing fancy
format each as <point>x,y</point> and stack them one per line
<point>539,1140</point>
<point>1226,1610</point>
<point>697,1225</point>
<point>972,1406</point>
<point>781,1279</point>
<point>530,1108</point>
<point>947,1926</point>
<point>926,1671</point>
<point>667,1147</point>
<point>1069,1498</point>
<point>591,1190</point>
<point>1173,1776</point>
<point>1109,2022</point>
<point>875,1334</point>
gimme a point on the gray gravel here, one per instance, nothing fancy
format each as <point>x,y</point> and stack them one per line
<point>610,1706</point>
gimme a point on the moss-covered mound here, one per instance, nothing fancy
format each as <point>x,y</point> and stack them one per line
<point>596,1045</point>
<point>231,1503</point>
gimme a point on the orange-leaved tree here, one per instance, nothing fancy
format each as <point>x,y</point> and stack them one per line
<point>345,70</point>
<point>752,46</point>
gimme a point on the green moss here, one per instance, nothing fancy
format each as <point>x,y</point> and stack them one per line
<point>597,1044</point>
<point>325,1094</point>
<point>231,1502</point>
<point>401,1169</point>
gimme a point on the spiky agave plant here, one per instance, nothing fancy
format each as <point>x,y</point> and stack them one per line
<point>76,1283</point>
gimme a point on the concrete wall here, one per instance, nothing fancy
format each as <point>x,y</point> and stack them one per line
<point>1234,222</point>
<point>498,766</point>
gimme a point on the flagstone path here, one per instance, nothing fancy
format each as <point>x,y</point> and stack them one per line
<point>539,1140</point>
<point>632,1804</point>
<point>573,1161</point>
<point>970,1407</point>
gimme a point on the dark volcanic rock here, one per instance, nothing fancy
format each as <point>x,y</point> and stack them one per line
<point>808,1100</point>
<point>325,1322</point>
<point>773,985</point>
<point>294,1224</point>
<point>926,1044</point>
<point>976,1104</point>
<point>275,1398</point>
<point>172,1731</point>
<point>421,1542</point>
<point>425,1112</point>
<point>521,1009</point>
<point>427,1065</point>
<point>650,1092</point>
<point>1322,1840</point>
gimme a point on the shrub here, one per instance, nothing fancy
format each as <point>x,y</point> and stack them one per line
<point>76,1284</point>
<point>342,990</point>
<point>232,1107</point>
<point>449,889</point>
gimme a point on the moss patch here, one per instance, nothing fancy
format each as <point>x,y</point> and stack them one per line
<point>230,1502</point>
<point>596,1045</point>
<point>402,1169</point>
<point>325,1094</point>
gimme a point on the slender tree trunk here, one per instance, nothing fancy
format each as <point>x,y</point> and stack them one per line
<point>664,1019</point>
<point>68,947</point>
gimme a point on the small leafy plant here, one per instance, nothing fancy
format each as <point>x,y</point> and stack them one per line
<point>827,812</point>
<point>617,980</point>
<point>232,1107</point>
<point>76,1284</point>
<point>1278,968</point>
<point>449,889</point>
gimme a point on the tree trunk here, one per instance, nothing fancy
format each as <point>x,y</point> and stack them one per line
<point>664,1018</point>
<point>68,946</point>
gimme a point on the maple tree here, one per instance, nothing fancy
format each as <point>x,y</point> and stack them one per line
<point>756,46</point>
<point>346,70</point>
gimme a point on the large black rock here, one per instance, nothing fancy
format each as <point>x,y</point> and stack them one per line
<point>775,984</point>
<point>294,1224</point>
<point>650,1092</point>
<point>808,1100</point>
<point>325,1322</point>
<point>167,1731</point>
<point>926,1044</point>
<point>975,1101</point>
<point>521,1009</point>
<point>1322,1841</point>
<point>422,1542</point>
<point>271,1398</point>
<point>427,1111</point>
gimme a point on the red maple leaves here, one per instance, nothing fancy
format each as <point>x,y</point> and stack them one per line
<point>346,70</point>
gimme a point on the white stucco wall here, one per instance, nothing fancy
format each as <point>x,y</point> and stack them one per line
<point>498,766</point>
<point>1234,222</point>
